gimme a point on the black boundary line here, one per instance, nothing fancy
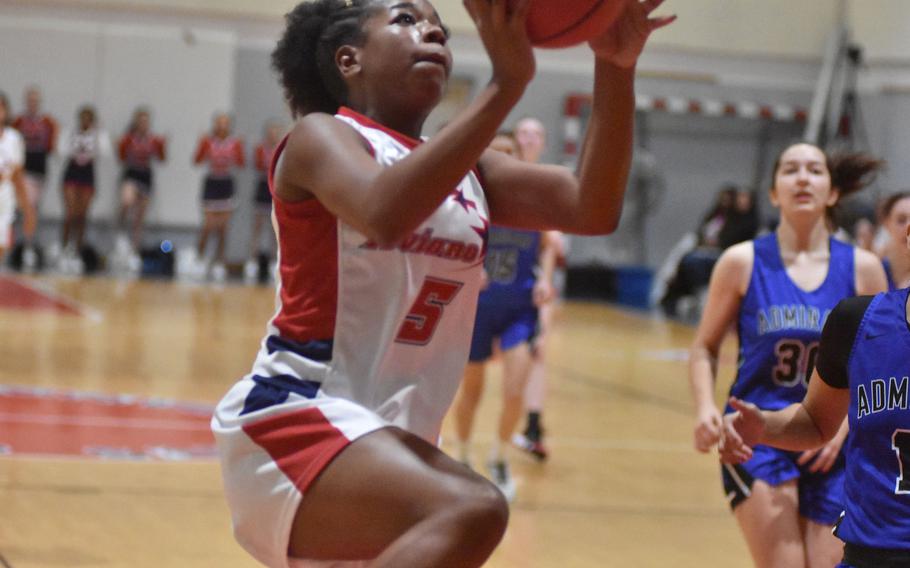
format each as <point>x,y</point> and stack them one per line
<point>4,562</point>
<point>626,391</point>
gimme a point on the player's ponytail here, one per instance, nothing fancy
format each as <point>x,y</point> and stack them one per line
<point>850,172</point>
<point>305,55</point>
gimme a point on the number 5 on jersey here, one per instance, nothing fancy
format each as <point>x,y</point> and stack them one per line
<point>423,317</point>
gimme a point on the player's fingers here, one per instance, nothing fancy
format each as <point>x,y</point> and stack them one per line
<point>806,456</point>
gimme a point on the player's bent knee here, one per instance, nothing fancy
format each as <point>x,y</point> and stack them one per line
<point>482,513</point>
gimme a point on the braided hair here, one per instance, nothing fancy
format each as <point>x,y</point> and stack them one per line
<point>305,55</point>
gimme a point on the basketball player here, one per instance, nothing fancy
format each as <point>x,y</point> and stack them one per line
<point>83,147</point>
<point>531,136</point>
<point>12,177</point>
<point>223,153</point>
<point>895,218</point>
<point>40,133</point>
<point>137,148</point>
<point>778,290</point>
<point>861,368</point>
<point>506,312</point>
<point>328,445</point>
<point>262,199</point>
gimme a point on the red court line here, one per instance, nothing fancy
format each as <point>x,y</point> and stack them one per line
<point>15,295</point>
<point>46,421</point>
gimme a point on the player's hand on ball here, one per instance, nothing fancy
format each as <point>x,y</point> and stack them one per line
<point>624,40</point>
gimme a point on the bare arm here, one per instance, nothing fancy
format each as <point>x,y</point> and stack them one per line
<point>801,426</point>
<point>728,285</point>
<point>590,201</point>
<point>550,248</point>
<point>870,274</point>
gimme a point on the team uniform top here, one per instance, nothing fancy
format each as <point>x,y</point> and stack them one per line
<point>392,324</point>
<point>222,155</point>
<point>263,157</point>
<point>83,146</point>
<point>12,156</point>
<point>40,133</point>
<point>866,348</point>
<point>136,152</point>
<point>780,324</point>
<point>510,265</point>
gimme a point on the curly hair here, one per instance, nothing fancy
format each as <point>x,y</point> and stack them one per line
<point>305,55</point>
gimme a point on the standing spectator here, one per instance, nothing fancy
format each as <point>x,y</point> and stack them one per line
<point>224,154</point>
<point>40,133</point>
<point>82,148</point>
<point>137,148</point>
<point>894,215</point>
<point>12,179</point>
<point>262,199</point>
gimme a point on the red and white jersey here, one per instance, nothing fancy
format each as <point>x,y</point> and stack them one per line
<point>84,146</point>
<point>222,155</point>
<point>39,132</point>
<point>265,152</point>
<point>12,157</point>
<point>399,318</point>
<point>137,151</point>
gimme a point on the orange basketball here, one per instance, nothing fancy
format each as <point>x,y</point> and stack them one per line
<point>562,23</point>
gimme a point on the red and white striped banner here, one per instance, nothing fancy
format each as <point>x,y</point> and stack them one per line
<point>574,105</point>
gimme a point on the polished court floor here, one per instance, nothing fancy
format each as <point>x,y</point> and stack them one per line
<point>106,385</point>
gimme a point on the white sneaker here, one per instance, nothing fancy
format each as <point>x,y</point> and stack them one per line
<point>122,245</point>
<point>251,271</point>
<point>501,477</point>
<point>134,263</point>
<point>29,259</point>
<point>219,272</point>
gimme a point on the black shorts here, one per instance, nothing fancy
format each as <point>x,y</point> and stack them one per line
<point>263,197</point>
<point>36,163</point>
<point>218,189</point>
<point>862,557</point>
<point>142,179</point>
<point>81,175</point>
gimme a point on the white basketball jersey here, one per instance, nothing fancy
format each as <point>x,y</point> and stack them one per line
<point>403,315</point>
<point>12,156</point>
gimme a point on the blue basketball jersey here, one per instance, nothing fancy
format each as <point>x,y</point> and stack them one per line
<point>780,324</point>
<point>510,264</point>
<point>878,447</point>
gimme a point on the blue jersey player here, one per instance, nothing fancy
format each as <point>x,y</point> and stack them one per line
<point>507,313</point>
<point>778,290</point>
<point>894,214</point>
<point>862,372</point>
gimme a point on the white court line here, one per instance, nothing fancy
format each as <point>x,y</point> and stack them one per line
<point>103,422</point>
<point>45,289</point>
<point>633,445</point>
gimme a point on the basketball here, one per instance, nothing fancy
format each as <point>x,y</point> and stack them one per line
<point>563,23</point>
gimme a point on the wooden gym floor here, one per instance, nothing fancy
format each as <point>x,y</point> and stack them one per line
<point>106,386</point>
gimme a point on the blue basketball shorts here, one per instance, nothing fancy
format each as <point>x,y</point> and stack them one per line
<point>511,324</point>
<point>821,495</point>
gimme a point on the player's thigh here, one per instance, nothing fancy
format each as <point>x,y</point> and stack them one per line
<point>770,522</point>
<point>823,549</point>
<point>379,487</point>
